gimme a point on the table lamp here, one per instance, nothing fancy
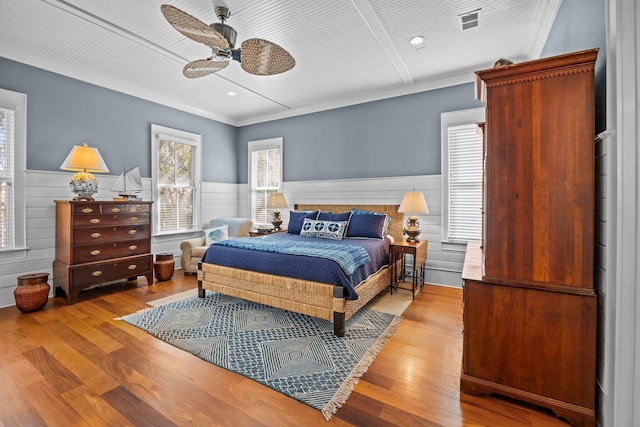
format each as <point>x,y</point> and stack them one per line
<point>276,202</point>
<point>84,160</point>
<point>413,203</point>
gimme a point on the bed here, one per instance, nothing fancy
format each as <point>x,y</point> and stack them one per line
<point>330,301</point>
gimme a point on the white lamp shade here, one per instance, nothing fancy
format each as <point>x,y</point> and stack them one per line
<point>84,158</point>
<point>276,201</point>
<point>413,202</point>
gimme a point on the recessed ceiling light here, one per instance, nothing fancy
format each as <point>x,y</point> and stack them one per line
<point>416,40</point>
<point>232,93</point>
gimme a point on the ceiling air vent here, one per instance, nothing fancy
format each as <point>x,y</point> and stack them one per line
<point>469,19</point>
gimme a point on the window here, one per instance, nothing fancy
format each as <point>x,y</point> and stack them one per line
<point>265,176</point>
<point>462,165</point>
<point>176,180</point>
<point>13,142</point>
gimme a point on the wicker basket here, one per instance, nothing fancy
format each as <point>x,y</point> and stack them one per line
<point>32,292</point>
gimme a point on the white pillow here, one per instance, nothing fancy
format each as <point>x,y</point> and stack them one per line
<point>323,229</point>
<point>216,234</point>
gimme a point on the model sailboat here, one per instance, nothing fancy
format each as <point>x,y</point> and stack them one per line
<point>128,186</point>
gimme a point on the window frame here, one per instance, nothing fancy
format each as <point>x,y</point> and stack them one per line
<point>260,145</point>
<point>181,137</point>
<point>18,102</point>
<point>447,120</point>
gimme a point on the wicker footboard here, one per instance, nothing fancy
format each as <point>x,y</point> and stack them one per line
<point>302,296</point>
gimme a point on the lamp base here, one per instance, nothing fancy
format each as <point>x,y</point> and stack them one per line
<point>412,230</point>
<point>84,185</point>
<point>276,221</point>
<point>412,235</point>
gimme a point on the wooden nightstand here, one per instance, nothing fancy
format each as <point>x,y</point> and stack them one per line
<point>264,233</point>
<point>397,252</point>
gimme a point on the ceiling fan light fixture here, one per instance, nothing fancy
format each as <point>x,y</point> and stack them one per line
<point>218,54</point>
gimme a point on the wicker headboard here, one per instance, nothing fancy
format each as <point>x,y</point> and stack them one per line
<point>397,219</point>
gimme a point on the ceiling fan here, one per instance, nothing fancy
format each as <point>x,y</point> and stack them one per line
<point>256,56</point>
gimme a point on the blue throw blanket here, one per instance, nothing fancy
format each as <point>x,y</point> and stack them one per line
<point>347,256</point>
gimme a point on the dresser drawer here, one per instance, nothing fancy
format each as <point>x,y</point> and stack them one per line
<point>94,208</point>
<point>86,209</point>
<point>139,208</point>
<point>100,272</point>
<point>109,250</point>
<point>110,234</point>
<point>98,220</point>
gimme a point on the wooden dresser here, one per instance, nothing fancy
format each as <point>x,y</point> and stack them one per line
<point>99,242</point>
<point>530,311</point>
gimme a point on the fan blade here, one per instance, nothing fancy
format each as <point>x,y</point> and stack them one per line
<point>203,67</point>
<point>265,58</point>
<point>192,27</point>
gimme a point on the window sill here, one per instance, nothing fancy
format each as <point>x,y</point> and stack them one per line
<point>454,246</point>
<point>177,235</point>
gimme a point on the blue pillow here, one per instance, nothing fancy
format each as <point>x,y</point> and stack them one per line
<point>296,218</point>
<point>323,229</point>
<point>387,219</point>
<point>328,216</point>
<point>367,225</point>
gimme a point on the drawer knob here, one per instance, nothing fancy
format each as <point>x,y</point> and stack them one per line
<point>94,221</point>
<point>134,218</point>
<point>115,210</point>
<point>95,235</point>
<point>96,273</point>
<point>139,209</point>
<point>87,210</point>
<point>133,247</point>
<point>133,232</point>
<point>95,252</point>
<point>132,267</point>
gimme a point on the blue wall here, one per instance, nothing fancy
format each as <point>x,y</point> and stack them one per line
<point>62,112</point>
<point>392,137</point>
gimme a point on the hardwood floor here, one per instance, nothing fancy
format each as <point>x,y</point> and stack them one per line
<point>78,366</point>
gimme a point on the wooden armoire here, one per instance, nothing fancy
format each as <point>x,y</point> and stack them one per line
<point>529,303</point>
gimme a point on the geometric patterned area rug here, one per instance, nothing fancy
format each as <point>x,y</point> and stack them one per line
<point>292,353</point>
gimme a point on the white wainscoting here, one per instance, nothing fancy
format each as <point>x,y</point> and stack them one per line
<point>221,199</point>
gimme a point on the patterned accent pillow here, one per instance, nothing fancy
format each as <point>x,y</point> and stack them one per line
<point>324,229</point>
<point>296,218</point>
<point>216,234</point>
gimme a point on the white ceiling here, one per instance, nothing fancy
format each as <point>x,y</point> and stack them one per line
<point>346,51</point>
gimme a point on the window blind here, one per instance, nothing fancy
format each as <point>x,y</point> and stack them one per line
<point>7,178</point>
<point>176,184</point>
<point>266,180</point>
<point>465,183</point>
<point>266,176</point>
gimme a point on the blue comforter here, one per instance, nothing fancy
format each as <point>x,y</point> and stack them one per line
<point>302,265</point>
